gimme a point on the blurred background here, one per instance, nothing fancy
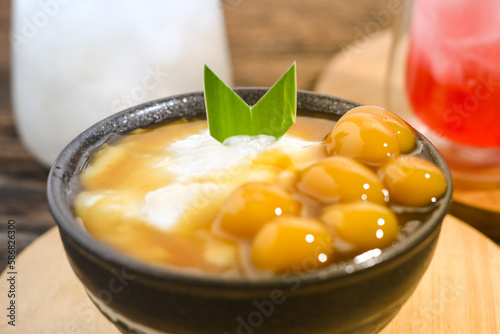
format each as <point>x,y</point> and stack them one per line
<point>264,38</point>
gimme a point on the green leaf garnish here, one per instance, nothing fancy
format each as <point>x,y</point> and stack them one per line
<point>228,115</point>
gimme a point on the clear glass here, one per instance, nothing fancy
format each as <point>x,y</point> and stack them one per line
<point>445,69</point>
<point>75,62</point>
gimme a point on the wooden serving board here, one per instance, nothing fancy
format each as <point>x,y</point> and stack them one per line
<point>459,293</point>
<point>359,73</point>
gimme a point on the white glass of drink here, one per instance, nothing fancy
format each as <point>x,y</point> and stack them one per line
<point>75,62</point>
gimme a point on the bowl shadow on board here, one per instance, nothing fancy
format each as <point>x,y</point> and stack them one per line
<point>138,297</point>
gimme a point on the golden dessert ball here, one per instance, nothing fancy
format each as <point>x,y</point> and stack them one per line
<point>252,205</point>
<point>363,137</point>
<point>364,225</point>
<point>292,244</point>
<point>404,132</point>
<point>412,181</point>
<point>338,178</point>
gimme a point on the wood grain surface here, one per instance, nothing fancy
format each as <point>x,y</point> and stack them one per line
<point>458,294</point>
<point>265,37</point>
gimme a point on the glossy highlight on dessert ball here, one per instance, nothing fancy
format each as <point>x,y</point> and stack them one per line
<point>337,179</point>
<point>412,181</point>
<point>363,137</point>
<point>252,205</point>
<point>403,132</point>
<point>364,225</point>
<point>292,243</point>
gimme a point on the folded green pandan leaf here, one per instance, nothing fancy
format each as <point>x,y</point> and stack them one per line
<point>228,115</point>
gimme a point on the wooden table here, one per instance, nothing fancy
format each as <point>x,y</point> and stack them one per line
<point>265,37</point>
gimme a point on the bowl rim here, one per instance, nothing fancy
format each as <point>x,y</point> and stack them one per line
<point>108,256</point>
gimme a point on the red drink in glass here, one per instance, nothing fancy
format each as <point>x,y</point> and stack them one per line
<point>453,76</point>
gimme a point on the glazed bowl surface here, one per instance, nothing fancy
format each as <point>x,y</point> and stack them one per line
<point>347,297</point>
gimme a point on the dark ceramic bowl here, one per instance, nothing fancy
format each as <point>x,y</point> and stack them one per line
<point>141,298</point>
